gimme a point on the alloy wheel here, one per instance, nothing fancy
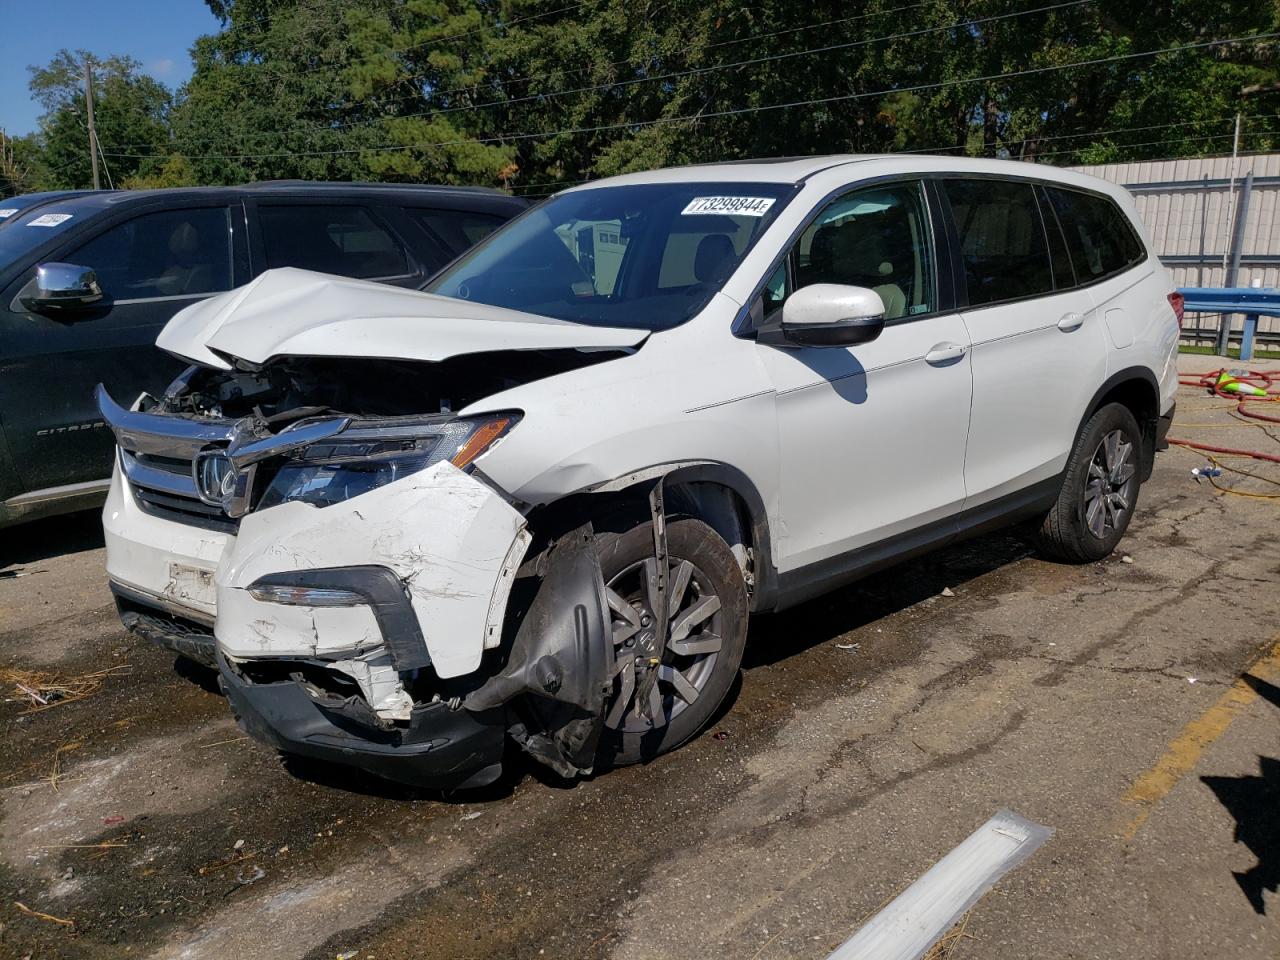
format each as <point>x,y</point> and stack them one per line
<point>650,686</point>
<point>1109,485</point>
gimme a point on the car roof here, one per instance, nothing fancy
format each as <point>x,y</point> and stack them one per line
<point>24,202</point>
<point>481,197</point>
<point>795,170</point>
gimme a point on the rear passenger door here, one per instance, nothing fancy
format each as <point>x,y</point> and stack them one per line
<point>1038,348</point>
<point>1103,246</point>
<point>332,236</point>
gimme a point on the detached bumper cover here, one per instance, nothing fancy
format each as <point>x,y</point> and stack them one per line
<point>440,748</point>
<point>452,542</point>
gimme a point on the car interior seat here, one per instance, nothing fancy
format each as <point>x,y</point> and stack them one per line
<point>714,258</point>
<point>853,253</point>
<point>185,271</point>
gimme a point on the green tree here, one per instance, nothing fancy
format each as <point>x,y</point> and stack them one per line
<point>130,114</point>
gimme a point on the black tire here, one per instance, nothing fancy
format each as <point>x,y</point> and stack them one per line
<point>715,571</point>
<point>1086,523</point>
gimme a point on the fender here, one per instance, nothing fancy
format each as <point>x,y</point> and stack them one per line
<point>765,591</point>
<point>1148,429</point>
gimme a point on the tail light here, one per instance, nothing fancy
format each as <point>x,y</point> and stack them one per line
<point>1177,301</point>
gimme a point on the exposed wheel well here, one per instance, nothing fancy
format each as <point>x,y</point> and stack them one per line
<point>1139,394</point>
<point>714,502</point>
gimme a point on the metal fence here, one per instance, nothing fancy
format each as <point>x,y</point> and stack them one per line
<point>1215,222</point>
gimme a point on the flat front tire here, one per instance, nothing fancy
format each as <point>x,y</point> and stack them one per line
<point>1099,489</point>
<point>658,702</point>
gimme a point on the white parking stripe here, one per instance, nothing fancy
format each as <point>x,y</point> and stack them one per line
<point>922,913</point>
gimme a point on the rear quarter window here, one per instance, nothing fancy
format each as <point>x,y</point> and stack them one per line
<point>342,240</point>
<point>456,230</point>
<point>1100,238</point>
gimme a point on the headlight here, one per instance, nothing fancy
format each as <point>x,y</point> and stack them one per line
<point>362,459</point>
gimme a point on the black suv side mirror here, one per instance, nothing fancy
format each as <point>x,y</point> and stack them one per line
<point>62,286</point>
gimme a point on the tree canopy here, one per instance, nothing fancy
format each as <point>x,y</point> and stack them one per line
<point>538,94</point>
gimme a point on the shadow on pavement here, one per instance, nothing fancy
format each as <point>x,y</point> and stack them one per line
<point>45,539</point>
<point>776,636</point>
<point>1254,802</point>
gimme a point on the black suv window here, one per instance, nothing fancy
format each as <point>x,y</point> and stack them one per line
<point>1099,236</point>
<point>1002,239</point>
<point>174,253</point>
<point>344,240</point>
<point>456,230</point>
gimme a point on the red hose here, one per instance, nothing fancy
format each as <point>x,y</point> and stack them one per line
<point>1256,454</point>
<point>1267,379</point>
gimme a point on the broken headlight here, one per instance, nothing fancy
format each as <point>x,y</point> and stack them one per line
<point>362,459</point>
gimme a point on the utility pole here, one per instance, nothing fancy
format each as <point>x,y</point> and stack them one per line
<point>93,134</point>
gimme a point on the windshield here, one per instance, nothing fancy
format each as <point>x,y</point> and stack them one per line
<point>648,256</point>
<point>24,232</point>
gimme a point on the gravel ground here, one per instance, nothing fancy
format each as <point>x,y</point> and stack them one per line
<point>872,731</point>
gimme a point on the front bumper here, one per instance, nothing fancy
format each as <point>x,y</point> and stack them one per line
<point>440,748</point>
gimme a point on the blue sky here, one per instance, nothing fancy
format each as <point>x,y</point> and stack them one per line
<point>159,33</point>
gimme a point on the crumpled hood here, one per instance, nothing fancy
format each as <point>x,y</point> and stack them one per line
<point>300,313</point>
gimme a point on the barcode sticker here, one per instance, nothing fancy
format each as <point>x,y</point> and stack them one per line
<point>50,220</point>
<point>728,206</point>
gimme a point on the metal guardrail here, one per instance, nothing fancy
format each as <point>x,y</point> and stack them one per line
<point>1252,302</point>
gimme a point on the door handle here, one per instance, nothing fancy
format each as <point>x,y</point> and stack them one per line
<point>1070,321</point>
<point>944,354</point>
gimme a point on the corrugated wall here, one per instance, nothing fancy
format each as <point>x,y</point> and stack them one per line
<point>1187,220</point>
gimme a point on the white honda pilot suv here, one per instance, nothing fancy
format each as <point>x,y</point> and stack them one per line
<point>541,499</point>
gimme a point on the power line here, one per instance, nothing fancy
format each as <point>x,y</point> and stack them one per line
<point>1007,144</point>
<point>936,149</point>
<point>498,25</point>
<point>695,71</point>
<point>1153,143</point>
<point>816,101</point>
<point>754,61</point>
<point>475,87</point>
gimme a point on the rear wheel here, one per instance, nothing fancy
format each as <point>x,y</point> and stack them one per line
<point>1099,489</point>
<point>660,698</point>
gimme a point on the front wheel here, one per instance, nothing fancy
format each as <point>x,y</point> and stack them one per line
<point>1099,489</point>
<point>659,699</point>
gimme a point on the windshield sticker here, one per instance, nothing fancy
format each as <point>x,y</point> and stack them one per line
<point>8,212</point>
<point>49,220</point>
<point>731,206</point>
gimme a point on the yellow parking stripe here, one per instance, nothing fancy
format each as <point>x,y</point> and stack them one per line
<point>1185,750</point>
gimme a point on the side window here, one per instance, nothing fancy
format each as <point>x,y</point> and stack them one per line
<point>876,237</point>
<point>1002,239</point>
<point>1064,276</point>
<point>343,240</point>
<point>1099,235</point>
<point>175,253</point>
<point>457,230</point>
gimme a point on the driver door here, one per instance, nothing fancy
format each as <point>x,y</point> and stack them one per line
<point>149,266</point>
<point>872,437</point>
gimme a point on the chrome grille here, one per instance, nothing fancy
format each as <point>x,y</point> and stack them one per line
<point>163,487</point>
<point>156,451</point>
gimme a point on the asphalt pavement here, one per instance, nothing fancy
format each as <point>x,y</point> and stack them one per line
<point>1132,705</point>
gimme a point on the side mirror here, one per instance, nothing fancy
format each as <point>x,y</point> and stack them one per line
<point>832,315</point>
<point>61,286</point>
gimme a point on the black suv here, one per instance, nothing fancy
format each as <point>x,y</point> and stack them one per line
<point>88,281</point>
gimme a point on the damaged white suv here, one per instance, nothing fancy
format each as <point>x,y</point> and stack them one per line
<point>541,498</point>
